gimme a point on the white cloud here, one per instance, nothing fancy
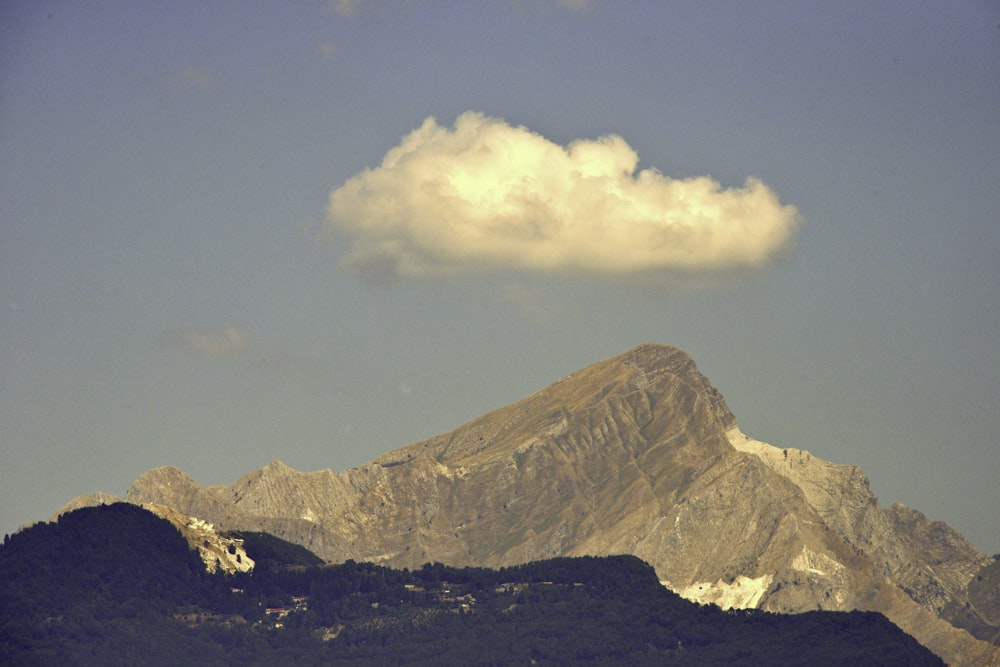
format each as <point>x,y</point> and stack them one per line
<point>487,195</point>
<point>213,344</point>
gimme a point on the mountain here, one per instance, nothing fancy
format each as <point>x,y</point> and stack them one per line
<point>134,592</point>
<point>637,454</point>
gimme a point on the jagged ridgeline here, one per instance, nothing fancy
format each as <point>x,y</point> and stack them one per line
<point>637,454</point>
<point>118,585</point>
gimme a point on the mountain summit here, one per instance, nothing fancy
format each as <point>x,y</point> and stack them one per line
<point>637,454</point>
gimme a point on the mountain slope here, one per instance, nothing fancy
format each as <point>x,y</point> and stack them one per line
<point>639,455</point>
<point>97,609</point>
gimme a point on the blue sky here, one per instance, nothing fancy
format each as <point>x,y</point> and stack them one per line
<point>177,289</point>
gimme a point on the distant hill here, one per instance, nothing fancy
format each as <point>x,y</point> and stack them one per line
<point>637,454</point>
<point>117,585</point>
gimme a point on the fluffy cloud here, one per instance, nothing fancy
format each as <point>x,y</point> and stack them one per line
<point>486,195</point>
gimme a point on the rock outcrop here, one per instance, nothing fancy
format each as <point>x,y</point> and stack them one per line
<point>218,552</point>
<point>639,455</point>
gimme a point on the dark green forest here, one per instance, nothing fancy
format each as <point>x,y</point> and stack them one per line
<point>117,585</point>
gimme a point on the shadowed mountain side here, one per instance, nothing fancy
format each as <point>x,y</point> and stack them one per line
<point>637,454</point>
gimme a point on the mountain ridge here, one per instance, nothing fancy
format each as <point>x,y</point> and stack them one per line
<point>96,609</point>
<point>635,454</point>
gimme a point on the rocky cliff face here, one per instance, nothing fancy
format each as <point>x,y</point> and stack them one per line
<point>640,455</point>
<point>217,551</point>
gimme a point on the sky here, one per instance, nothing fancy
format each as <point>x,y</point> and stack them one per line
<point>233,232</point>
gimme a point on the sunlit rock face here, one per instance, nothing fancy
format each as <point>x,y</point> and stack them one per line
<point>219,552</point>
<point>637,454</point>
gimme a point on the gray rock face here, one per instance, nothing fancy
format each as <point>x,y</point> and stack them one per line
<point>637,454</point>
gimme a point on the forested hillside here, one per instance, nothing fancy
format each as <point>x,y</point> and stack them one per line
<point>116,585</point>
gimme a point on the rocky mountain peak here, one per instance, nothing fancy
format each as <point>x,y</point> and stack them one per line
<point>637,454</point>
<point>277,467</point>
<point>169,477</point>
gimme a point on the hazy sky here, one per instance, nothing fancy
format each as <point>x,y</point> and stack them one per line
<point>317,231</point>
